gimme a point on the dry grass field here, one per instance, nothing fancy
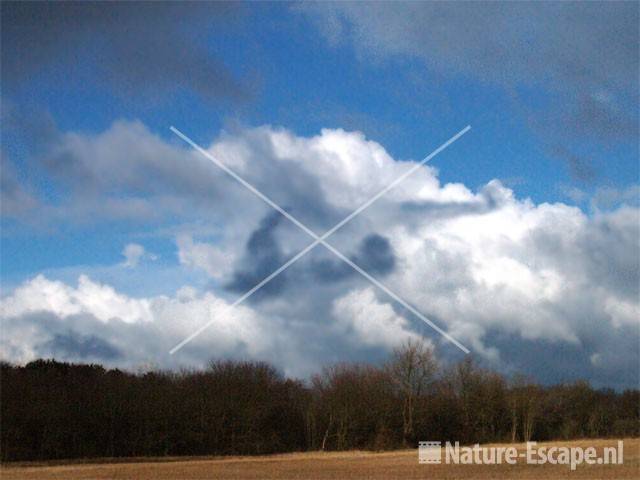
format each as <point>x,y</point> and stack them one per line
<point>335,465</point>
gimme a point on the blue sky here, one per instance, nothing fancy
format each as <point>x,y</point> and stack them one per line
<point>551,91</point>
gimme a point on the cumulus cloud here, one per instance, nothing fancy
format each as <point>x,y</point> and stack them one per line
<point>505,276</point>
<point>42,314</point>
<point>93,322</point>
<point>99,301</point>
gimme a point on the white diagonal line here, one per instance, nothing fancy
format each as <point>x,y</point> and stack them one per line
<point>385,289</point>
<point>321,239</point>
<point>398,180</point>
<point>245,296</point>
<point>253,189</point>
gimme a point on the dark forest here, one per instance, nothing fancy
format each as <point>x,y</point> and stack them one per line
<point>55,410</point>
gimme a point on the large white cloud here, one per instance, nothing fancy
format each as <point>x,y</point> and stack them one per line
<point>507,269</point>
<point>485,265</point>
<point>94,322</point>
<point>138,328</point>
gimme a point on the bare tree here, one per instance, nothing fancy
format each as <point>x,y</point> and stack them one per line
<point>516,400</point>
<point>412,367</point>
<point>524,405</point>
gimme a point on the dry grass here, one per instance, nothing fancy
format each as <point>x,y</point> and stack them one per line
<point>337,465</point>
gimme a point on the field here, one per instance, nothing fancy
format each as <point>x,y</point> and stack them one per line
<point>333,465</point>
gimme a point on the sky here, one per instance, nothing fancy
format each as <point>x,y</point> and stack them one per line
<point>521,239</point>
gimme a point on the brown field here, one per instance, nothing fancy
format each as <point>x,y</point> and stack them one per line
<point>335,465</point>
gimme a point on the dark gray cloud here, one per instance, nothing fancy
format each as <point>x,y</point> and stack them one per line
<point>74,345</point>
<point>605,357</point>
<point>583,56</point>
<point>264,254</point>
<point>374,255</point>
<point>262,257</point>
<point>140,48</point>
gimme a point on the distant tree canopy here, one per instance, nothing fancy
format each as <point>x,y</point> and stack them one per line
<point>55,410</point>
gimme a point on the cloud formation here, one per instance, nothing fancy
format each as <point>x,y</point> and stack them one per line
<point>505,276</point>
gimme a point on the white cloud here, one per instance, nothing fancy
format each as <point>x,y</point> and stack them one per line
<point>622,312</point>
<point>214,260</point>
<point>483,265</point>
<point>140,328</point>
<point>133,253</point>
<point>364,319</point>
<point>100,301</point>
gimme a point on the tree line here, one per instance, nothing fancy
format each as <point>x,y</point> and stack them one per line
<point>57,410</point>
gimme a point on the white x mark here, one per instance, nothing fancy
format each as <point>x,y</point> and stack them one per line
<point>321,239</point>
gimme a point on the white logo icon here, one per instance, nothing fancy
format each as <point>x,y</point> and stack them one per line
<point>429,452</point>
